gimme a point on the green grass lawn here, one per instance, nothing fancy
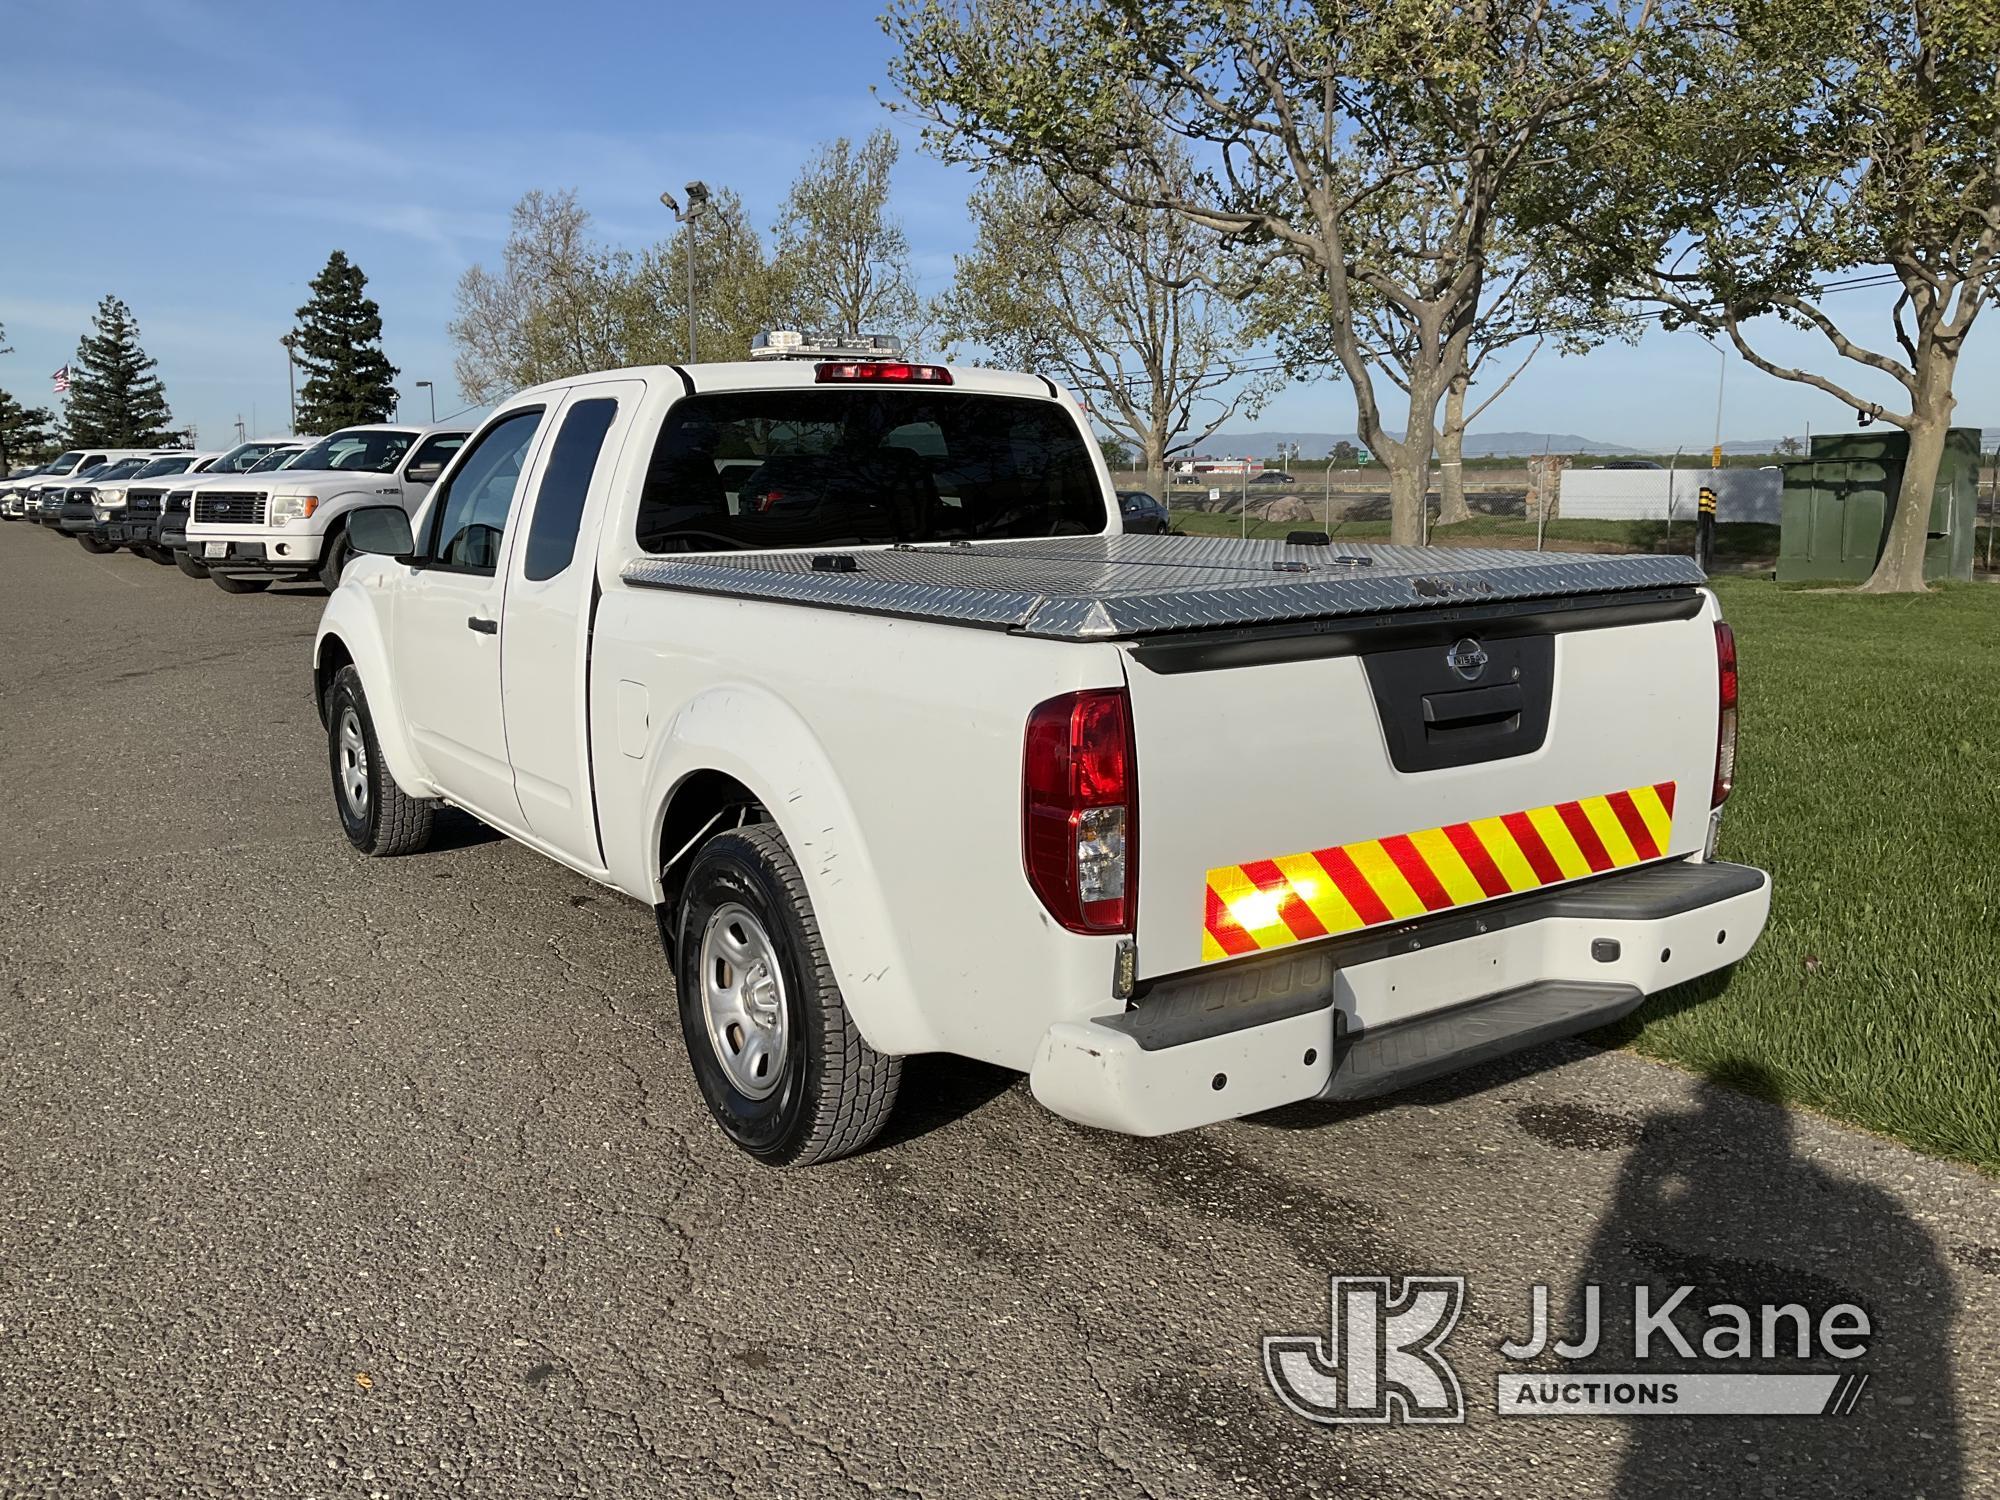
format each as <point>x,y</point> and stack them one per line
<point>1869,786</point>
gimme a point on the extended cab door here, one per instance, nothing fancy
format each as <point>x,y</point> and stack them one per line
<point>446,633</point>
<point>551,597</point>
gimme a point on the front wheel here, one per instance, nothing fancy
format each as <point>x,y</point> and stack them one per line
<point>187,563</point>
<point>94,547</point>
<point>230,585</point>
<point>779,1060</point>
<point>155,554</point>
<point>378,817</point>
<point>336,557</point>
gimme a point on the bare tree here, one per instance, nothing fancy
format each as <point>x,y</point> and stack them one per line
<point>845,260</point>
<point>1120,301</point>
<point>554,309</point>
<point>1373,146</point>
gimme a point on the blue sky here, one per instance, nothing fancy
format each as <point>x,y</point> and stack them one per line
<point>200,160</point>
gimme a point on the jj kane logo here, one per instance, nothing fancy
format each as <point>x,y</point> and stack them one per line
<point>1383,1358</point>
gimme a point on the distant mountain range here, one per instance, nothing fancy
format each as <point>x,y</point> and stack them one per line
<point>1262,444</point>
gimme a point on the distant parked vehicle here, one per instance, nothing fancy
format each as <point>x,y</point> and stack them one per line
<point>1629,463</point>
<point>251,535</point>
<point>170,543</point>
<point>137,522</point>
<point>1272,476</point>
<point>109,500</point>
<point>1143,515</point>
<point>71,509</point>
<point>55,475</point>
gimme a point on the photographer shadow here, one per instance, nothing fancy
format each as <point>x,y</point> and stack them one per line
<point>1715,1197</point>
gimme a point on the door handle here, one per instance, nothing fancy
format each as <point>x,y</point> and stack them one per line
<point>484,627</point>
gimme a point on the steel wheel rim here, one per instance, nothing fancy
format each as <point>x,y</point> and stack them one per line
<point>743,1001</point>
<point>351,771</point>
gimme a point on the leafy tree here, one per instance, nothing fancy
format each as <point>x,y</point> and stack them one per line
<point>1829,137</point>
<point>845,259</point>
<point>338,343</point>
<point>1345,452</point>
<point>1791,447</point>
<point>115,397</point>
<point>1375,147</point>
<point>1117,457</point>
<point>27,433</point>
<point>1120,301</point>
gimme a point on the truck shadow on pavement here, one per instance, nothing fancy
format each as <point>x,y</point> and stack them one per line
<point>1716,1197</point>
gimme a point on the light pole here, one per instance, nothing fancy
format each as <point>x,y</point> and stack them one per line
<point>697,200</point>
<point>291,342</point>
<point>425,385</point>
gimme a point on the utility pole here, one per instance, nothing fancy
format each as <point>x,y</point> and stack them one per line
<point>697,200</point>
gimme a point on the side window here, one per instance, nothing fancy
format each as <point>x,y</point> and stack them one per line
<point>429,460</point>
<point>566,481</point>
<point>470,515</point>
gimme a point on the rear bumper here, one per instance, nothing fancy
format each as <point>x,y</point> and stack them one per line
<point>1358,1017</point>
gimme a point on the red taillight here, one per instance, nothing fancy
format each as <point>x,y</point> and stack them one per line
<point>1080,810</point>
<point>882,372</point>
<point>1725,722</point>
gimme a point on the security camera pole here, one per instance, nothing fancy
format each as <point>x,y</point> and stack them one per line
<point>425,385</point>
<point>697,199</point>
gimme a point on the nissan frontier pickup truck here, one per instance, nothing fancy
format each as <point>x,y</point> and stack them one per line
<point>844,667</point>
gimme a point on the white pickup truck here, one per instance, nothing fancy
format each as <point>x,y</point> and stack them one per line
<point>256,530</point>
<point>846,670</point>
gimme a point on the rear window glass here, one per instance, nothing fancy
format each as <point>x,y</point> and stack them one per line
<point>819,467</point>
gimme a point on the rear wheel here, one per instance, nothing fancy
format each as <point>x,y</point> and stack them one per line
<point>187,563</point>
<point>377,816</point>
<point>230,585</point>
<point>779,1060</point>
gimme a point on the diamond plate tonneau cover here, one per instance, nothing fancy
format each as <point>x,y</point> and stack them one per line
<point>1111,587</point>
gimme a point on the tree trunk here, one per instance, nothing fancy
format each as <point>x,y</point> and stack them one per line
<point>1900,570</point>
<point>1155,459</point>
<point>1451,453</point>
<point>1409,489</point>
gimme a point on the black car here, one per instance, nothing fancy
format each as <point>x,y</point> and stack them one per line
<point>1143,515</point>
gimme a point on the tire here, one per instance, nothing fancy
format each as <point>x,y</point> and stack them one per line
<point>159,555</point>
<point>230,585</point>
<point>378,817</point>
<point>823,1092</point>
<point>94,547</point>
<point>334,558</point>
<point>188,564</point>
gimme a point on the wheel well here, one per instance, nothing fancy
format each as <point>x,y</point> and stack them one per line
<point>702,803</point>
<point>333,655</point>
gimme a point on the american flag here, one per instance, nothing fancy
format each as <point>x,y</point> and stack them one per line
<point>61,378</point>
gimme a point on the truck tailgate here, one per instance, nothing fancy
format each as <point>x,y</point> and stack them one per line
<point>1294,788</point>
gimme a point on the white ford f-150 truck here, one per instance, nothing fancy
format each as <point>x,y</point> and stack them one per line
<point>846,670</point>
<point>251,532</point>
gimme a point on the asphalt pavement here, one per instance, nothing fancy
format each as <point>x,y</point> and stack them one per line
<point>329,1177</point>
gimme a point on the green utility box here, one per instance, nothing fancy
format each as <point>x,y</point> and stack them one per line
<point>1836,506</point>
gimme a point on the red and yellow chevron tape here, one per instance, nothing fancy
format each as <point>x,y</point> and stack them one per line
<point>1268,903</point>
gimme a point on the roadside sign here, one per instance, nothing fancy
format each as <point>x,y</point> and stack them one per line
<point>1214,496</point>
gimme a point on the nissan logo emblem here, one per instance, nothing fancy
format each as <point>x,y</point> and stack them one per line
<point>1467,658</point>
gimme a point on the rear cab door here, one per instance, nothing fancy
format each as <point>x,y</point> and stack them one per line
<point>550,602</point>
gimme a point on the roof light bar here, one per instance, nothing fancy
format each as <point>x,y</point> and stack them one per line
<point>876,372</point>
<point>789,343</point>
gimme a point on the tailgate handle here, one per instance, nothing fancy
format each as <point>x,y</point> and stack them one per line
<point>1473,713</point>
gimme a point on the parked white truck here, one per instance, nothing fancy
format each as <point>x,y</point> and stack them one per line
<point>251,532</point>
<point>844,668</point>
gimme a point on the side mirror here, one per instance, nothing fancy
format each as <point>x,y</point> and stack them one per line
<point>381,531</point>
<point>423,473</point>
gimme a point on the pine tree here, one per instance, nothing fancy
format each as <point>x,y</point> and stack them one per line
<point>25,435</point>
<point>115,398</point>
<point>338,343</point>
